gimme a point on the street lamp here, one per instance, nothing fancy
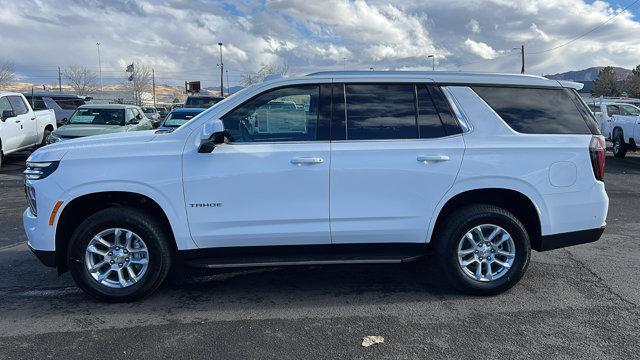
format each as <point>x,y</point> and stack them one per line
<point>99,65</point>
<point>433,62</point>
<point>221,72</point>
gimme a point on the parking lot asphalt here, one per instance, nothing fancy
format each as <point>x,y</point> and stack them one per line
<point>578,302</point>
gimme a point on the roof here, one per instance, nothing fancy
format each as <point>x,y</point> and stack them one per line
<point>107,106</point>
<point>53,94</point>
<point>450,77</point>
<point>188,110</point>
<point>3,93</point>
<point>205,96</point>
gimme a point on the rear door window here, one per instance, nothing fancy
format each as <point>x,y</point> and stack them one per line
<point>381,111</point>
<point>536,110</point>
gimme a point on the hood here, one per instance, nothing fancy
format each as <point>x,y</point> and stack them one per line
<point>79,130</point>
<point>57,151</point>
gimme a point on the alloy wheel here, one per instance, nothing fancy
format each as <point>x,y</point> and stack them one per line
<point>486,252</point>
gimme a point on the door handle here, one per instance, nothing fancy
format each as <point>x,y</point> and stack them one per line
<point>17,121</point>
<point>434,158</point>
<point>307,161</point>
<point>33,118</point>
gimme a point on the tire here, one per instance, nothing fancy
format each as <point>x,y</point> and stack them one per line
<point>139,223</point>
<point>450,237</point>
<point>619,147</point>
<point>45,135</point>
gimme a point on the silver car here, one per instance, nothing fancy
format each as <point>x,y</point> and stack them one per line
<point>98,119</point>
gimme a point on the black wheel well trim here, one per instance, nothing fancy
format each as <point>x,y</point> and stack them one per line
<point>49,127</point>
<point>519,204</point>
<point>83,206</point>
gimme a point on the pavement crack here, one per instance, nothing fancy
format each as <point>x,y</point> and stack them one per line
<point>599,280</point>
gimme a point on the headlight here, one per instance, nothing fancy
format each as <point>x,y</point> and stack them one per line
<point>52,138</point>
<point>40,170</point>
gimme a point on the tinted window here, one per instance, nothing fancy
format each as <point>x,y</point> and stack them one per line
<point>381,111</point>
<point>36,103</point>
<point>629,110</point>
<point>338,123</point>
<point>4,104</point>
<point>68,103</point>
<point>285,114</point>
<point>176,119</point>
<point>613,110</point>
<point>441,103</point>
<point>18,105</point>
<point>98,117</point>
<point>201,102</point>
<point>429,124</point>
<point>536,111</point>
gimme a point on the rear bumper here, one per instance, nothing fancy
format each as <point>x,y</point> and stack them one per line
<point>48,258</point>
<point>556,241</point>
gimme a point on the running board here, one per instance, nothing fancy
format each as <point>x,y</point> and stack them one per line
<point>301,256</point>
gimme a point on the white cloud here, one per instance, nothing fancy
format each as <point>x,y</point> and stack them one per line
<point>179,38</point>
<point>481,49</point>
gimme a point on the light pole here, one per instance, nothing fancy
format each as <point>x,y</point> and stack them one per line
<point>221,72</point>
<point>99,65</point>
<point>433,62</point>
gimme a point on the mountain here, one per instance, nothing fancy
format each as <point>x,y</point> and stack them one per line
<point>589,74</point>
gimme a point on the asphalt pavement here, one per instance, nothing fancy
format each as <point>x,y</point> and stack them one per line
<point>578,302</point>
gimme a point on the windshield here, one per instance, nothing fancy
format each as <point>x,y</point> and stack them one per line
<point>176,119</point>
<point>98,117</point>
<point>629,110</point>
<point>148,110</point>
<point>201,102</point>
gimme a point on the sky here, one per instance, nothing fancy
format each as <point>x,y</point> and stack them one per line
<point>179,38</point>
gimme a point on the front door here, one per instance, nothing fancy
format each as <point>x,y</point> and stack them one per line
<point>401,153</point>
<point>10,130</point>
<point>270,186</point>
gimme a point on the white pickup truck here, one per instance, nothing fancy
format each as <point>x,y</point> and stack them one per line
<point>20,126</point>
<point>621,123</point>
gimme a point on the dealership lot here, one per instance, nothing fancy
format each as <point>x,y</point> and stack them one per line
<point>574,302</point>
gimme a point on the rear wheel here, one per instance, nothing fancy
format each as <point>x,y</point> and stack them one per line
<point>119,254</point>
<point>483,249</point>
<point>45,135</point>
<point>619,147</point>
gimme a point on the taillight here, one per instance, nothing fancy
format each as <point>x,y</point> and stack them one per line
<point>597,154</point>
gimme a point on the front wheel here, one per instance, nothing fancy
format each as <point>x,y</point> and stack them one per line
<point>119,254</point>
<point>483,249</point>
<point>45,136</point>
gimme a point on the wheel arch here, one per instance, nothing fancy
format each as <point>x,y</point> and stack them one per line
<point>83,206</point>
<point>513,200</point>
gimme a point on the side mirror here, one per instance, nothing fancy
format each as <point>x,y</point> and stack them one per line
<point>64,121</point>
<point>213,133</point>
<point>8,114</point>
<point>139,117</point>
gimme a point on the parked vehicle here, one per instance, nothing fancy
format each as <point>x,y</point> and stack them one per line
<point>62,104</point>
<point>179,117</point>
<point>381,167</point>
<point>163,111</point>
<point>202,101</point>
<point>177,106</point>
<point>151,113</point>
<point>621,123</point>
<point>20,126</point>
<point>99,119</point>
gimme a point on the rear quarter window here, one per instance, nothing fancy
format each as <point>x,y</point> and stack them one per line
<point>538,110</point>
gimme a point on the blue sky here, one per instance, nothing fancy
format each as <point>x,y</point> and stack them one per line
<point>178,38</point>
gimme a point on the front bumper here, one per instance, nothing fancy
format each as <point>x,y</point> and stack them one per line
<point>48,258</point>
<point>557,241</point>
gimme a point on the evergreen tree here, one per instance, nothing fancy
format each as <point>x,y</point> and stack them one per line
<point>606,84</point>
<point>633,83</point>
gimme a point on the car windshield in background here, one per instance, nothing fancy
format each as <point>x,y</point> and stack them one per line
<point>98,117</point>
<point>148,110</point>
<point>177,119</point>
<point>201,102</point>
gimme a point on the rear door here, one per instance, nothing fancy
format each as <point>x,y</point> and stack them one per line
<point>396,150</point>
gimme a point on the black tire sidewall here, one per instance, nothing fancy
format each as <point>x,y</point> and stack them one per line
<point>470,220</point>
<point>126,219</point>
<point>619,140</point>
<point>45,135</point>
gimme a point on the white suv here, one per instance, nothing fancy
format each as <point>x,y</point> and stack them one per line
<point>365,167</point>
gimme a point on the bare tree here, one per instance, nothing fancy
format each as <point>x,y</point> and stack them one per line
<point>81,79</point>
<point>139,81</point>
<point>271,69</point>
<point>7,74</point>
